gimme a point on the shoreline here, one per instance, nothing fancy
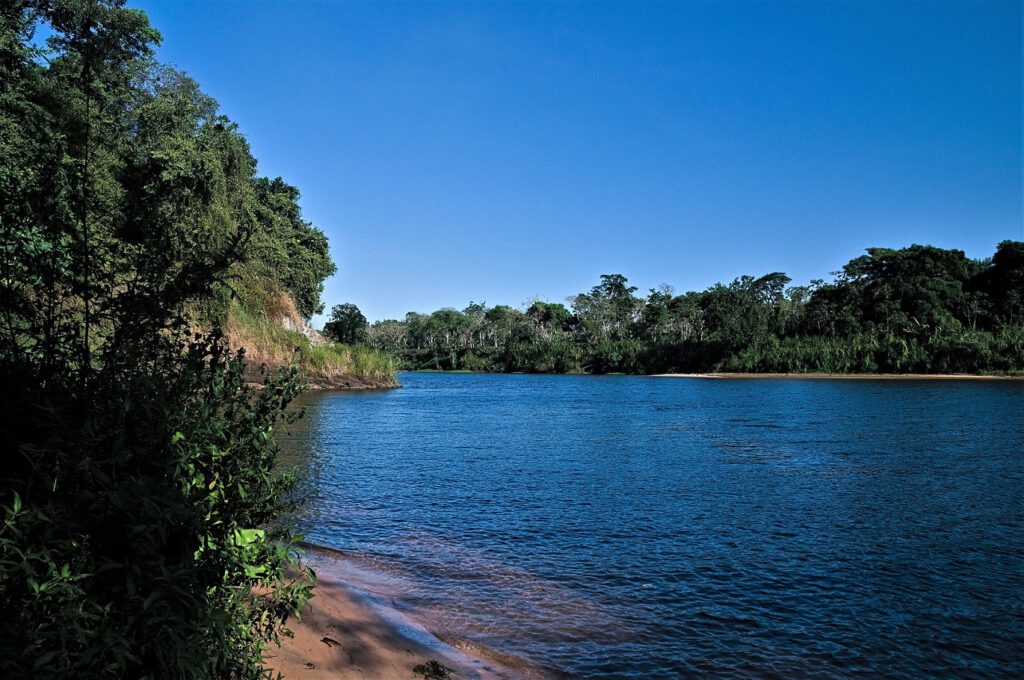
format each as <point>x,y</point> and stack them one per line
<point>753,376</point>
<point>838,376</point>
<point>348,632</point>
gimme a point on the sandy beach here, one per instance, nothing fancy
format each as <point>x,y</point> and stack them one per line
<point>838,376</point>
<point>348,633</point>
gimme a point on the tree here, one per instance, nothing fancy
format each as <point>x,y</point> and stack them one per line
<point>1001,281</point>
<point>550,319</point>
<point>609,309</point>
<point>145,527</point>
<point>289,249</point>
<point>388,335</point>
<point>919,308</point>
<point>917,291</point>
<point>347,324</point>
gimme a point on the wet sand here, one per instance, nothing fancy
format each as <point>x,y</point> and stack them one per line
<point>839,376</point>
<point>347,633</point>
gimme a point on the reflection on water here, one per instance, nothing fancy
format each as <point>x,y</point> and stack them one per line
<point>610,527</point>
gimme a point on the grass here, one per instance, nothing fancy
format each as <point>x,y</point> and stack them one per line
<point>268,342</point>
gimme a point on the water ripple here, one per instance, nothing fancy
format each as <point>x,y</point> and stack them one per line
<point>635,527</point>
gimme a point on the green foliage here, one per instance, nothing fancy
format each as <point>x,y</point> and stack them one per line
<point>145,528</point>
<point>288,251</point>
<point>917,309</point>
<point>142,531</point>
<point>319,364</point>
<point>346,325</point>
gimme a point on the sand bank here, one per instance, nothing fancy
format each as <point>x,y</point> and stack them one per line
<point>349,633</point>
<point>839,376</point>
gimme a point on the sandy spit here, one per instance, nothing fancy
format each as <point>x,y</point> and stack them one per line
<point>347,633</point>
<point>838,376</point>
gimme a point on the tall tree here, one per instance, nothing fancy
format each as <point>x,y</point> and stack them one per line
<point>347,324</point>
<point>144,532</point>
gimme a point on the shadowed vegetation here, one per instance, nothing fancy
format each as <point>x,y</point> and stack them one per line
<point>145,511</point>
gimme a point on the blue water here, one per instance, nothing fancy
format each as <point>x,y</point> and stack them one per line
<point>613,527</point>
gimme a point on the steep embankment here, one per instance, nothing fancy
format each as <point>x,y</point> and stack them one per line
<point>278,336</point>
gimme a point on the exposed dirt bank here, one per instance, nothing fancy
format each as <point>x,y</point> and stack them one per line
<point>336,381</point>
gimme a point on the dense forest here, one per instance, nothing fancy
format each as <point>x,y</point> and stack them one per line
<point>145,529</point>
<point>919,309</point>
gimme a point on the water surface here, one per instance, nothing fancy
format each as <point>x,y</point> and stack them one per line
<point>643,527</point>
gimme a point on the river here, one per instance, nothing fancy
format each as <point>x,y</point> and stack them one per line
<point>608,527</point>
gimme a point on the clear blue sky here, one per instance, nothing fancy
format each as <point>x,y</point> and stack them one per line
<point>497,152</point>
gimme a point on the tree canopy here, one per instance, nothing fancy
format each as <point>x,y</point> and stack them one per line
<point>346,325</point>
<point>915,309</point>
<point>145,512</point>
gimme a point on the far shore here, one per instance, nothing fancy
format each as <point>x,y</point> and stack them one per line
<point>840,376</point>
<point>763,376</point>
<point>348,633</point>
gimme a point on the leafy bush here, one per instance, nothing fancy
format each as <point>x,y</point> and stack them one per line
<point>145,529</point>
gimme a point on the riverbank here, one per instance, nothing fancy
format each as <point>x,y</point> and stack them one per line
<point>839,376</point>
<point>344,381</point>
<point>348,633</point>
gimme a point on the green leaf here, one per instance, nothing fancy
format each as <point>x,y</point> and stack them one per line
<point>151,599</point>
<point>253,571</point>
<point>246,537</point>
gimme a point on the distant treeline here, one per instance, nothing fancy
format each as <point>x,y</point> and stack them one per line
<point>917,309</point>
